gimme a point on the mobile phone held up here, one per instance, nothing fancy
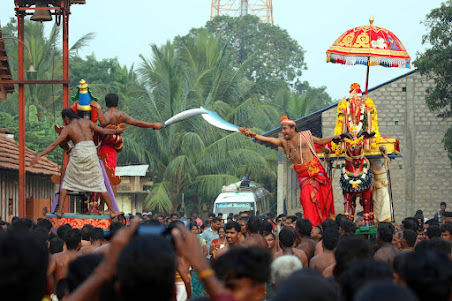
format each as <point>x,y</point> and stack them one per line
<point>155,230</point>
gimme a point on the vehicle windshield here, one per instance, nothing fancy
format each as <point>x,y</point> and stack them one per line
<point>234,208</point>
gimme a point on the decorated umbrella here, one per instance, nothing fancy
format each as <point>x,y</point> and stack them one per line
<point>369,45</point>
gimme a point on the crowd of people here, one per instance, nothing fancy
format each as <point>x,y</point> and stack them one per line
<point>237,257</point>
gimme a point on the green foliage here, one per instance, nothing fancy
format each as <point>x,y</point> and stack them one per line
<point>273,54</point>
<point>436,63</point>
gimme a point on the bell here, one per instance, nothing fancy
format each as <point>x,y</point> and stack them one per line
<point>41,15</point>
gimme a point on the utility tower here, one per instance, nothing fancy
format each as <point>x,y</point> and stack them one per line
<point>262,9</point>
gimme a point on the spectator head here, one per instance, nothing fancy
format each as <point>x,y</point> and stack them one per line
<point>409,223</point>
<point>347,226</point>
<point>45,223</point>
<point>287,237</point>
<point>111,100</point>
<point>80,269</point>
<point>290,221</point>
<point>443,206</point>
<point>446,232</point>
<point>362,272</point>
<point>215,224</point>
<point>147,264</point>
<point>56,245</point>
<point>384,290</point>
<point>73,239</point>
<point>447,217</point>
<point>428,274</point>
<point>266,227</point>
<point>282,267</point>
<point>23,265</point>
<point>96,234</point>
<point>114,228</point>
<point>86,229</point>
<point>385,232</point>
<point>329,223</point>
<point>61,231</point>
<point>348,249</point>
<point>431,222</point>
<point>23,224</point>
<point>435,244</point>
<point>271,240</point>
<point>244,272</point>
<point>330,239</point>
<point>313,288</point>
<point>340,218</point>
<point>253,225</point>
<point>409,238</point>
<point>433,231</point>
<point>232,232</point>
<point>303,227</point>
<point>211,216</point>
<point>243,221</point>
<point>317,232</point>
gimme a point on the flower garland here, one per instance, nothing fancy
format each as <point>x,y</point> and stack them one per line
<point>356,182</point>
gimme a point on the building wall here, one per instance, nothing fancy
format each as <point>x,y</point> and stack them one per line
<point>37,187</point>
<point>422,178</point>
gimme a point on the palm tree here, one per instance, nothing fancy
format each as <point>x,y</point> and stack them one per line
<point>192,154</point>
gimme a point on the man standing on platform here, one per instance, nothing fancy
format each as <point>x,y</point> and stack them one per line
<point>316,195</point>
<point>83,173</point>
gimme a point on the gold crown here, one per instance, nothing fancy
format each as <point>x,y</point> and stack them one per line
<point>354,142</point>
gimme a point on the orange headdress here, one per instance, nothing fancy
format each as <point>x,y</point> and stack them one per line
<point>355,88</point>
<point>286,120</point>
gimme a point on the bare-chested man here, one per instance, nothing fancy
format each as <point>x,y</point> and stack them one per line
<point>286,241</point>
<point>59,264</point>
<point>83,173</point>
<point>326,259</point>
<point>113,116</point>
<point>232,238</point>
<point>387,251</point>
<point>303,228</point>
<point>271,242</point>
<point>315,197</point>
<point>254,238</point>
<point>96,239</point>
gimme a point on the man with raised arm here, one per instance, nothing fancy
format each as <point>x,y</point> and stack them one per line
<point>316,195</point>
<point>83,173</point>
<point>111,145</point>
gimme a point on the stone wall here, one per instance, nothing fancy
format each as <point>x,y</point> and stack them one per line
<point>421,178</point>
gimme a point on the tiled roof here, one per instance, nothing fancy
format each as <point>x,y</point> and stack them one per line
<point>5,72</point>
<point>9,158</point>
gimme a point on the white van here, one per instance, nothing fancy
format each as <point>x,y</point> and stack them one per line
<point>235,199</point>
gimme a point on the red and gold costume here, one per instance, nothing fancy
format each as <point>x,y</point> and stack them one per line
<point>316,196</point>
<point>111,145</point>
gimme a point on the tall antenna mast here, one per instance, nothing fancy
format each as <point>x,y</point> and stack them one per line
<point>263,9</point>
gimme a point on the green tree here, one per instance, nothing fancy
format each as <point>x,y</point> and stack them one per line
<point>275,55</point>
<point>436,63</point>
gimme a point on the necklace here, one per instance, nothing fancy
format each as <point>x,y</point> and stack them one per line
<point>292,151</point>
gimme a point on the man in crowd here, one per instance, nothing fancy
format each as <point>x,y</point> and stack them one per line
<point>254,238</point>
<point>232,237</point>
<point>96,239</point>
<point>286,242</point>
<point>303,228</point>
<point>439,215</point>
<point>326,259</point>
<point>387,251</point>
<point>211,233</point>
<point>446,232</point>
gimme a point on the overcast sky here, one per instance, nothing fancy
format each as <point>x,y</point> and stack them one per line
<point>126,29</point>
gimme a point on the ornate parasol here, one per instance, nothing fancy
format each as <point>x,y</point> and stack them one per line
<point>369,45</point>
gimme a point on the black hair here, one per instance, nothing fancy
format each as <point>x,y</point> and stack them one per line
<point>69,113</point>
<point>211,214</point>
<point>23,265</point>
<point>234,225</point>
<point>115,227</point>
<point>219,213</point>
<point>299,215</point>
<point>432,222</point>
<point>56,245</point>
<point>435,244</point>
<point>253,225</point>
<point>72,238</point>
<point>350,248</point>
<point>111,100</point>
<point>304,227</point>
<point>340,218</point>
<point>62,230</point>
<point>270,233</point>
<point>312,288</point>
<point>42,234</point>
<point>43,222</point>
<point>147,264</point>
<point>433,231</point>
<point>216,220</point>
<point>410,236</point>
<point>330,238</point>
<point>293,218</point>
<point>266,227</point>
<point>287,237</point>
<point>385,232</point>
<point>252,263</point>
<point>193,224</point>
<point>329,223</point>
<point>86,229</point>
<point>361,272</point>
<point>23,224</point>
<point>96,234</point>
<point>384,290</point>
<point>348,226</point>
<point>428,274</point>
<point>410,223</point>
<point>80,269</point>
<point>446,227</point>
<point>443,204</point>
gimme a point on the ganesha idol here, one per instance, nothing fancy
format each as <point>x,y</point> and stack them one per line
<point>355,117</point>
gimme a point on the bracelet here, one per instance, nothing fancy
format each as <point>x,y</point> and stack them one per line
<point>206,273</point>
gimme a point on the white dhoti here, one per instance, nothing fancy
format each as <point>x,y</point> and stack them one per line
<point>382,205</point>
<point>83,173</point>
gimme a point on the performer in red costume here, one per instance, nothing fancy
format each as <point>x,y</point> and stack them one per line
<point>113,118</point>
<point>316,195</point>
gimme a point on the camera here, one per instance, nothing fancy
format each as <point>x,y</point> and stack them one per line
<point>156,230</point>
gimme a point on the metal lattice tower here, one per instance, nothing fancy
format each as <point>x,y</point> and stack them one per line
<point>263,9</point>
